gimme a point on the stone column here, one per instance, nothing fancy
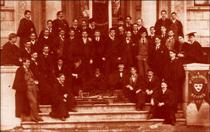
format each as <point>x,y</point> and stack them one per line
<point>52,7</point>
<point>196,94</point>
<point>8,119</point>
<point>149,13</point>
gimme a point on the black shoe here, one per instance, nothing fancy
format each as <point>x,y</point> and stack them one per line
<point>63,119</point>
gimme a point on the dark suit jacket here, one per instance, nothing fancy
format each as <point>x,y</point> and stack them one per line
<point>58,25</point>
<point>10,54</point>
<point>161,22</point>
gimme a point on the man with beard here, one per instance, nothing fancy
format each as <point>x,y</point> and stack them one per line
<point>26,27</point>
<point>60,23</point>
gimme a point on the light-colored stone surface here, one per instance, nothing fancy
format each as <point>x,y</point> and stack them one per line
<point>8,119</point>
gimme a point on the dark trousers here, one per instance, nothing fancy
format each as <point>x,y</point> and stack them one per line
<point>32,98</point>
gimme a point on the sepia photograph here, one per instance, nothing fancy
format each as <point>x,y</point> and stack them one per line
<point>105,65</point>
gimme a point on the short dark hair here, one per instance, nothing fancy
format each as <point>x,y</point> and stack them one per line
<point>59,12</point>
<point>49,21</point>
<point>60,74</point>
<point>112,29</point>
<point>151,27</point>
<point>27,11</point>
<point>25,59</point>
<point>12,35</point>
<point>173,13</point>
<point>163,11</point>
<point>128,17</point>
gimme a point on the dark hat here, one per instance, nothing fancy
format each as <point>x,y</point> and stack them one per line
<point>191,34</point>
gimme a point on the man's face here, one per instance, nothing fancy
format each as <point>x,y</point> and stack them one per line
<point>128,34</point>
<point>139,22</point>
<point>133,71</point>
<point>157,41</point>
<point>84,34</point>
<point>93,24</point>
<point>135,27</point>
<point>181,39</point>
<point>75,23</point>
<point>171,33</point>
<point>84,24</point>
<point>49,24</point>
<point>191,39</point>
<point>144,34</point>
<point>152,30</point>
<point>112,33</point>
<point>62,78</point>
<point>164,86</point>
<point>46,49</point>
<point>62,32</point>
<point>97,34</point>
<point>33,36</point>
<point>34,55</point>
<point>128,20</point>
<point>163,14</point>
<point>121,67</point>
<point>60,62</point>
<point>28,45</point>
<point>14,40</point>
<point>150,74</point>
<point>120,23</point>
<point>172,54</point>
<point>163,29</point>
<point>173,16</point>
<point>46,32</point>
<point>71,33</point>
<point>27,63</point>
<point>60,15</point>
<point>28,15</point>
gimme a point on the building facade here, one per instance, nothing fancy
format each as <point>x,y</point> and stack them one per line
<point>194,14</point>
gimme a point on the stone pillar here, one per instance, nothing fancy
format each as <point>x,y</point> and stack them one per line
<point>149,12</point>
<point>8,119</point>
<point>110,13</point>
<point>52,7</point>
<point>196,94</point>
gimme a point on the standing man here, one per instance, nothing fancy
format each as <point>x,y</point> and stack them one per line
<point>26,27</point>
<point>10,53</point>
<point>176,25</point>
<point>26,93</point>
<point>60,23</point>
<point>163,21</point>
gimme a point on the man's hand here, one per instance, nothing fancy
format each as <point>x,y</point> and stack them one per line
<point>65,95</point>
<point>139,90</point>
<point>130,87</point>
<point>36,82</point>
<point>74,75</point>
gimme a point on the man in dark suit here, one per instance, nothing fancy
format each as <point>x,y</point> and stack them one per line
<point>135,33</point>
<point>26,27</point>
<point>49,28</point>
<point>58,45</point>
<point>43,40</point>
<point>163,104</point>
<point>99,49</point>
<point>126,50</point>
<point>60,67</point>
<point>60,23</point>
<point>174,67</point>
<point>134,89</point>
<point>128,23</point>
<point>26,92</point>
<point>26,51</point>
<point>176,25</point>
<point>34,42</point>
<point>112,55</point>
<point>46,67</point>
<point>163,21</point>
<point>158,57</point>
<point>151,85</point>
<point>141,28</point>
<point>75,26</point>
<point>10,53</point>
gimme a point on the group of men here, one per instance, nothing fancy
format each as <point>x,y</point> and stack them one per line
<point>146,67</point>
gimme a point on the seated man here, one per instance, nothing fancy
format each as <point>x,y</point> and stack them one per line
<point>97,84</point>
<point>151,84</point>
<point>133,89</point>
<point>117,81</point>
<point>60,99</point>
<point>163,104</point>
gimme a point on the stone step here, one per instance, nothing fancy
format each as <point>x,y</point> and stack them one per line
<point>95,115</point>
<point>99,107</point>
<point>97,125</point>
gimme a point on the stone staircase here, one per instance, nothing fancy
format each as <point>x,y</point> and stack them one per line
<point>91,116</point>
